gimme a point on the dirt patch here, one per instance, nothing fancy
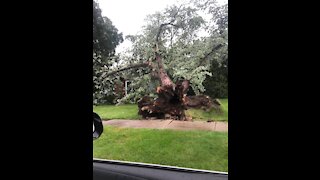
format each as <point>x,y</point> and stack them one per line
<point>170,124</point>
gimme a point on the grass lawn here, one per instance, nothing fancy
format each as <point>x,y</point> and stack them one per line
<point>126,111</point>
<point>192,149</point>
<point>198,114</point>
<point>130,111</point>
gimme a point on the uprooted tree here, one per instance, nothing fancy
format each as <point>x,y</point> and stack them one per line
<point>174,52</point>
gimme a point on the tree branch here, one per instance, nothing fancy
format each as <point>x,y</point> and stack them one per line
<point>169,23</point>
<point>202,60</point>
<point>165,80</point>
<point>132,66</point>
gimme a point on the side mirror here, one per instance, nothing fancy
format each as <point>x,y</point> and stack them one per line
<point>97,126</point>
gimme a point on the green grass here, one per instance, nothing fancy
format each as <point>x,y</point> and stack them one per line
<point>126,111</point>
<point>198,114</point>
<point>130,111</point>
<point>192,149</point>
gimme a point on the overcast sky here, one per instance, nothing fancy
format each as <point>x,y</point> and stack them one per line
<point>128,15</point>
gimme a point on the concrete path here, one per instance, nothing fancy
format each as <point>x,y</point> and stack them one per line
<point>169,124</point>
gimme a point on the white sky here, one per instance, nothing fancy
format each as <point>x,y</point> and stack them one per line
<point>128,15</point>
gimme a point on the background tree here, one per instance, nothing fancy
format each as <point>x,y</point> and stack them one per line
<point>105,40</point>
<point>217,84</point>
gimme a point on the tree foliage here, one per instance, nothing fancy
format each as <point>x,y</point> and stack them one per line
<point>217,84</point>
<point>105,34</point>
<point>192,41</point>
<point>105,40</point>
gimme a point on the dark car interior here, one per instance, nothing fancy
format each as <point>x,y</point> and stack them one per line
<point>107,169</point>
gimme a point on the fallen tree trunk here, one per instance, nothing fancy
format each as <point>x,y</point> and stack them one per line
<point>172,98</point>
<point>161,108</point>
<point>169,104</point>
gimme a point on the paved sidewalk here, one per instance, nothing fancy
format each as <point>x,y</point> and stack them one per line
<point>170,124</point>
